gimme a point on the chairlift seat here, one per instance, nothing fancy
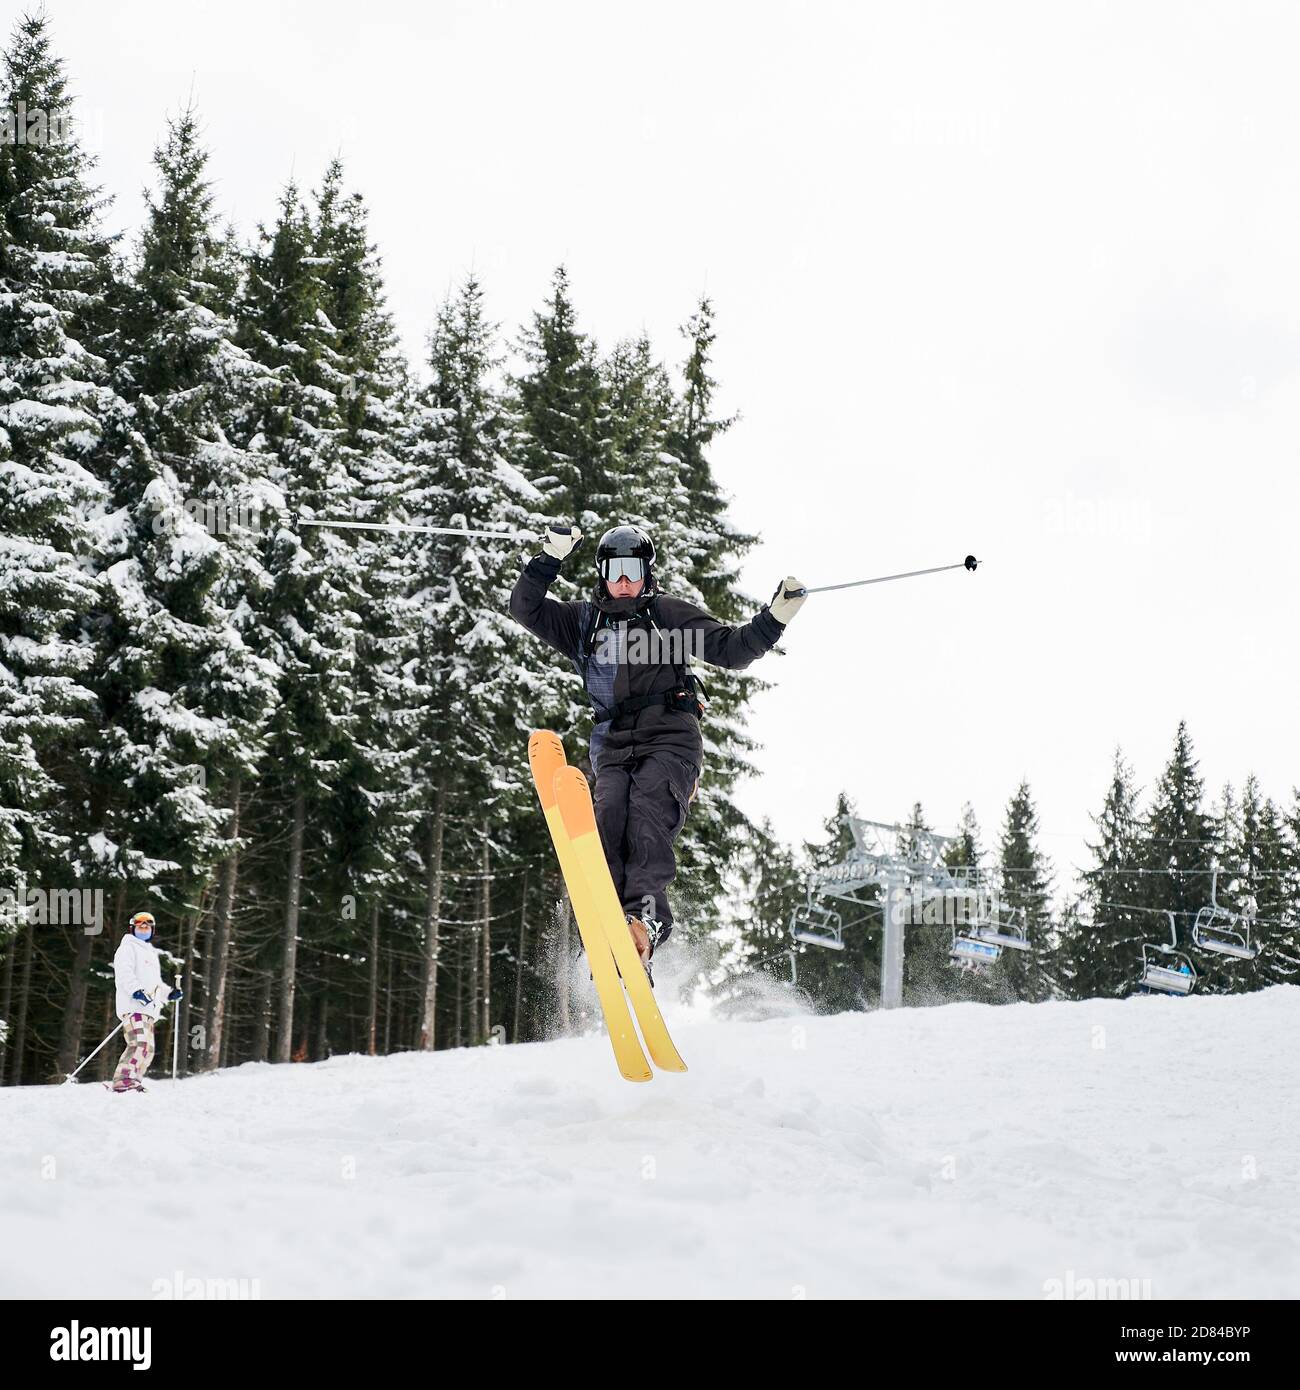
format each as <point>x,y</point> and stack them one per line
<point>973,953</point>
<point>1164,979</point>
<point>998,938</point>
<point>818,926</point>
<point>1222,941</point>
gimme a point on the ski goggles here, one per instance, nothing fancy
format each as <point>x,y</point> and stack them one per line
<point>622,567</point>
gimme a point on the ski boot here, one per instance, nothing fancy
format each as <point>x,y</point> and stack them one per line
<point>646,935</point>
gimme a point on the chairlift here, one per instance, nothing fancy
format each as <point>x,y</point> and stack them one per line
<point>1013,934</point>
<point>1221,932</point>
<point>982,943</point>
<point>815,925</point>
<point>1165,976</point>
<point>971,953</point>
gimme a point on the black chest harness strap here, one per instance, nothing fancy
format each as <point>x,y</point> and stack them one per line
<point>685,693</point>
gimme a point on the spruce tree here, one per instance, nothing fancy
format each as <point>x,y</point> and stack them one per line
<point>1176,849</point>
<point>473,661</point>
<point>713,544</point>
<point>59,421</point>
<point>307,622</point>
<point>1101,950</point>
<point>928,936</point>
<point>1280,941</point>
<point>184,698</point>
<point>373,809</point>
<point>1252,878</point>
<point>561,426</point>
<point>847,979</point>
<point>56,280</point>
<point>1026,890</point>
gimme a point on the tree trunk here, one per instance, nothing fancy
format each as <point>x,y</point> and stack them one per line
<point>372,1021</point>
<point>262,1024</point>
<point>472,1008</point>
<point>486,1026</point>
<point>74,1016</point>
<point>232,1023</point>
<point>519,964</point>
<point>460,1002</point>
<point>187,981</point>
<point>108,1057</point>
<point>14,1073</point>
<point>432,920</point>
<point>388,1009</point>
<point>218,966</point>
<point>284,1039</point>
<point>6,1000</point>
<point>75,1009</point>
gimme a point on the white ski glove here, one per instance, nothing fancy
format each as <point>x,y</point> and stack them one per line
<point>559,540</point>
<point>783,609</point>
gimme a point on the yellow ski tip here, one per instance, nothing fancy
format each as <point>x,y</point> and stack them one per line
<point>574,798</point>
<point>546,754</point>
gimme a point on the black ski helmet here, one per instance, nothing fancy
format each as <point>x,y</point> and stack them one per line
<point>629,543</point>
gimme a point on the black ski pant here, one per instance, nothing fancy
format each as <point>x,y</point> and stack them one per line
<point>641,808</point>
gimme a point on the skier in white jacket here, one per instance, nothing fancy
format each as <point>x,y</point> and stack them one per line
<point>140,997</point>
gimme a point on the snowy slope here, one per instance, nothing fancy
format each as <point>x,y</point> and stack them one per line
<point>964,1151</point>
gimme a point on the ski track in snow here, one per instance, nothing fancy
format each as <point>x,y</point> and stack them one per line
<point>956,1152</point>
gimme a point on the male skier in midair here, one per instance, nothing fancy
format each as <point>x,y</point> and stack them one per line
<point>631,644</point>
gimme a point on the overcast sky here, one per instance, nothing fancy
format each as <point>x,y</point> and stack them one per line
<point>1021,280</point>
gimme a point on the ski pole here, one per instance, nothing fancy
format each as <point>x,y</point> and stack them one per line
<point>176,1029</point>
<point>968,563</point>
<point>72,1075</point>
<point>397,526</point>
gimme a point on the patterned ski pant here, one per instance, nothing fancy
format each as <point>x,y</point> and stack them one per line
<point>137,1029</point>
<point>640,811</point>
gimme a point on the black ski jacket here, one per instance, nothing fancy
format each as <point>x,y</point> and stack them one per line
<point>684,629</point>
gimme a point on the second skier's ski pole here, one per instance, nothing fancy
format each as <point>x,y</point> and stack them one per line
<point>176,1029</point>
<point>72,1075</point>
<point>968,563</point>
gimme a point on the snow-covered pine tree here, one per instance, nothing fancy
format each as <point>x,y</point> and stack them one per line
<point>1101,948</point>
<point>964,857</point>
<point>307,623</point>
<point>1176,847</point>
<point>706,549</point>
<point>1253,869</point>
<point>196,509</point>
<point>925,953</point>
<point>847,979</point>
<point>643,411</point>
<point>1281,944</point>
<point>1026,887</point>
<point>479,671</point>
<point>713,544</point>
<point>57,277</point>
<point>374,807</point>
<point>773,884</point>
<point>561,426</point>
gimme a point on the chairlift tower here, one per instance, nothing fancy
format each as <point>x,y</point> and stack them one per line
<point>906,866</point>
